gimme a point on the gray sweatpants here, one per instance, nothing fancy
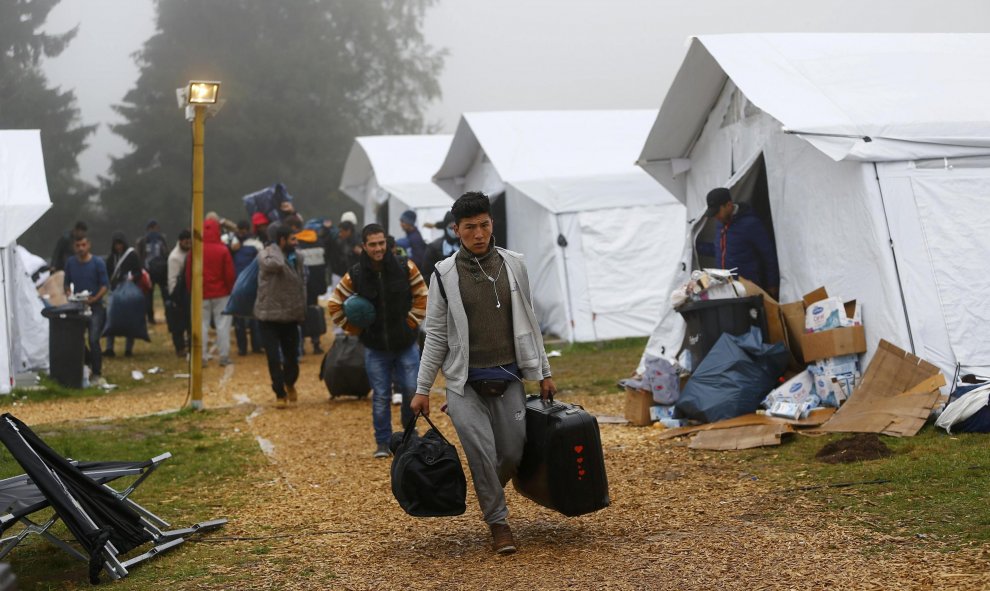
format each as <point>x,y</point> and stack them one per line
<point>492,431</point>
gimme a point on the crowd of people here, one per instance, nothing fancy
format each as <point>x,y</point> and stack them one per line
<point>326,251</point>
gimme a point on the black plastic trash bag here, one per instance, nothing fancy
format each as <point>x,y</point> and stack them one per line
<point>427,477</point>
<point>733,378</point>
<point>126,314</point>
<point>244,293</point>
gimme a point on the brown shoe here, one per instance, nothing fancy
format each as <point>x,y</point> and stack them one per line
<point>290,391</point>
<point>281,403</point>
<point>502,541</point>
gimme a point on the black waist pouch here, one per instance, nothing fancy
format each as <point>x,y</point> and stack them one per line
<point>489,387</point>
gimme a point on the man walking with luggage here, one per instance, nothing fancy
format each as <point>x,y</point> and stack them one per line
<point>482,329</point>
<point>396,288</point>
<point>279,308</point>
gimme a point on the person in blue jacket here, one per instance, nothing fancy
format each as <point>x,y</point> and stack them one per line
<point>741,242</point>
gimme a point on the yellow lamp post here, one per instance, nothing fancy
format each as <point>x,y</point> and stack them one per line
<point>199,99</point>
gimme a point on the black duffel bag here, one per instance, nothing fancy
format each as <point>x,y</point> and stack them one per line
<point>427,478</point>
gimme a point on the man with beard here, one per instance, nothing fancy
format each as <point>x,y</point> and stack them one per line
<point>396,289</point>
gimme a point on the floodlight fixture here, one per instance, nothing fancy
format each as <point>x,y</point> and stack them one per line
<point>203,92</point>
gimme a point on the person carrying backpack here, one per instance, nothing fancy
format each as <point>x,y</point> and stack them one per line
<point>152,249</point>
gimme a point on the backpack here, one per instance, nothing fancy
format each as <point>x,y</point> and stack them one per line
<point>427,477</point>
<point>156,258</point>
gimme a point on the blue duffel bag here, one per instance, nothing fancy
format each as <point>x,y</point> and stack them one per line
<point>126,316</point>
<point>245,292</point>
<point>267,201</point>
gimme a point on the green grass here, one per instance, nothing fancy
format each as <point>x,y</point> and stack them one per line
<point>936,484</point>
<point>594,368</point>
<point>205,451</point>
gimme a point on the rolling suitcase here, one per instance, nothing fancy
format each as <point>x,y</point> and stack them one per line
<point>562,466</point>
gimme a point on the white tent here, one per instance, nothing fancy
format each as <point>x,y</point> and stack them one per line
<point>600,237</point>
<point>876,154</point>
<point>389,174</point>
<point>23,199</point>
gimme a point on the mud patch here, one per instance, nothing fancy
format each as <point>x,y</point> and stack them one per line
<point>857,448</point>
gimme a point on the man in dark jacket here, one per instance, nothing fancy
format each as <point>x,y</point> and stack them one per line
<point>442,247</point>
<point>741,242</point>
<point>152,249</point>
<point>391,353</point>
<point>218,280</point>
<point>279,308</point>
<point>123,265</point>
<point>413,241</point>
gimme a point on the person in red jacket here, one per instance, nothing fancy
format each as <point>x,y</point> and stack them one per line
<point>218,281</point>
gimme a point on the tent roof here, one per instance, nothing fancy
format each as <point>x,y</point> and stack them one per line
<point>401,164</point>
<point>525,145</point>
<point>23,186</point>
<point>585,193</point>
<point>913,95</point>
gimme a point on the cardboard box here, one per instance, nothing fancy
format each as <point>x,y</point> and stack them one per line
<point>638,403</point>
<point>832,343</point>
<point>776,327</point>
<point>895,398</point>
<point>793,315</point>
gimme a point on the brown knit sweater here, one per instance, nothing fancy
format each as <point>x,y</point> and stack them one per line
<point>490,338</point>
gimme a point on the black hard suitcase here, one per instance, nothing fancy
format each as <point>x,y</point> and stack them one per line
<point>562,466</point>
<point>343,370</point>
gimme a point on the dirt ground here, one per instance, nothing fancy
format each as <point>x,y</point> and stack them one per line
<point>679,519</point>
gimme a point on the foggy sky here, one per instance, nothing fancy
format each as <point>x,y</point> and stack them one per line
<point>513,54</point>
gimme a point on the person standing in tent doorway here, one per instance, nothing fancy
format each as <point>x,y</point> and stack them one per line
<point>395,287</point>
<point>84,272</point>
<point>741,242</point>
<point>482,330</point>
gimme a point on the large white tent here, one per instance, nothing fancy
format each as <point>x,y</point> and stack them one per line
<point>389,174</point>
<point>875,150</point>
<point>23,199</point>
<point>600,237</point>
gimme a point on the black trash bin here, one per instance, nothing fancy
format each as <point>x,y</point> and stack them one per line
<point>66,347</point>
<point>707,320</point>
